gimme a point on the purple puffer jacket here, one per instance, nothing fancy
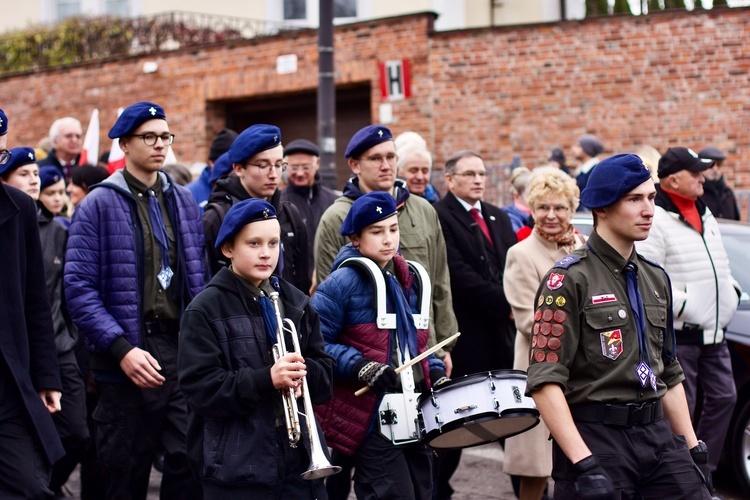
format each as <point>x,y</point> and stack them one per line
<point>103,263</point>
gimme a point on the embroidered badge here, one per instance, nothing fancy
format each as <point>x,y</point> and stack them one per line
<point>611,344</point>
<point>536,328</point>
<point>603,299</point>
<point>547,315</point>
<point>539,356</point>
<point>555,281</point>
<point>554,343</point>
<point>545,329</point>
<point>552,357</point>
<point>533,341</point>
<point>557,330</point>
<point>538,315</point>
<point>559,316</point>
<point>560,301</point>
<point>541,342</point>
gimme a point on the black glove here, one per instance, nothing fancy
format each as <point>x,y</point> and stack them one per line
<point>377,376</point>
<point>438,378</point>
<point>700,458</point>
<point>592,482</point>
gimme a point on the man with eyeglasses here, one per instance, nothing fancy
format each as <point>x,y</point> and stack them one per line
<point>29,375</point>
<point>257,158</point>
<point>305,190</point>
<point>133,263</point>
<point>371,155</point>
<point>66,137</point>
<point>478,236</point>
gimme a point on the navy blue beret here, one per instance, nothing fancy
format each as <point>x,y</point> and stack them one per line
<point>676,159</point>
<point>242,214</point>
<point>3,123</point>
<point>365,138</point>
<point>368,209</point>
<point>253,140</point>
<point>613,178</point>
<point>134,116</point>
<point>18,158</point>
<point>302,146</point>
<point>222,166</point>
<point>49,175</point>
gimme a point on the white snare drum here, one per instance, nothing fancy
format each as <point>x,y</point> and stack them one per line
<point>477,409</point>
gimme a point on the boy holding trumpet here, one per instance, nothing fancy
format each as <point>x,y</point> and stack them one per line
<point>372,342</point>
<point>232,369</point>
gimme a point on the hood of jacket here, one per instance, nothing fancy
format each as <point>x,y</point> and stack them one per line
<point>400,191</point>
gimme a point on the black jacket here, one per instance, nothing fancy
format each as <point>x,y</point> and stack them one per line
<point>224,371</point>
<point>54,239</point>
<point>228,191</point>
<point>27,345</point>
<point>476,269</point>
<point>719,198</point>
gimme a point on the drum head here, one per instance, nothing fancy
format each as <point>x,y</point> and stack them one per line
<point>482,429</point>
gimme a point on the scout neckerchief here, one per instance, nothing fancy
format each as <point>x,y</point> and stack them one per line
<point>269,312</point>
<point>405,328</point>
<point>643,370</point>
<point>160,232</point>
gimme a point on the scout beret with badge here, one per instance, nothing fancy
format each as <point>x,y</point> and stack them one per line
<point>18,158</point>
<point>253,140</point>
<point>613,178</point>
<point>3,123</point>
<point>368,209</point>
<point>242,214</point>
<point>49,175</point>
<point>134,116</point>
<point>367,137</point>
<point>222,166</point>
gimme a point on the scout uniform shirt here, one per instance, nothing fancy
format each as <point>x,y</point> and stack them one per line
<point>585,337</point>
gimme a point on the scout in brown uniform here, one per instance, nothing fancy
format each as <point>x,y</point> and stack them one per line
<point>602,371</point>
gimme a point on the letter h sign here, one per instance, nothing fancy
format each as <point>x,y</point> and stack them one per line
<point>395,81</point>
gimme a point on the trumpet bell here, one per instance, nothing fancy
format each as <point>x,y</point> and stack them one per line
<point>320,471</point>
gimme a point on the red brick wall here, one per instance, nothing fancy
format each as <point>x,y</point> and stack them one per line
<point>665,79</point>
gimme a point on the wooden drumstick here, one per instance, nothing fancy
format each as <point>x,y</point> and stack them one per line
<point>415,360</point>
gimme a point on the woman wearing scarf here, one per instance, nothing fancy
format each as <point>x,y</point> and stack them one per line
<point>553,198</point>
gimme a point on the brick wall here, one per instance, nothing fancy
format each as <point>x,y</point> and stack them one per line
<point>666,79</point>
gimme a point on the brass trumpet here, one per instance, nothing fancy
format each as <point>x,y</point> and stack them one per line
<point>319,465</point>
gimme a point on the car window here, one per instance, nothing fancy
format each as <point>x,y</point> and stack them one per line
<point>736,246</point>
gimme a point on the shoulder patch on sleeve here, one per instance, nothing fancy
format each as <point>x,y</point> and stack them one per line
<point>566,262</point>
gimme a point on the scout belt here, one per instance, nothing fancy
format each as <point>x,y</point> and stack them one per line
<point>619,415</point>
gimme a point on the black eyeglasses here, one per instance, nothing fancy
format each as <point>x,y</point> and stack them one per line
<point>4,156</point>
<point>149,138</point>
<point>265,167</point>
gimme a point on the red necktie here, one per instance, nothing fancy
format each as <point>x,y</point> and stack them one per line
<point>482,225</point>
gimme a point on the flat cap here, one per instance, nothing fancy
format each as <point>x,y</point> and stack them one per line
<point>613,178</point>
<point>676,159</point>
<point>3,123</point>
<point>134,116</point>
<point>18,158</point>
<point>302,146</point>
<point>242,214</point>
<point>590,144</point>
<point>49,175</point>
<point>367,137</point>
<point>253,140</point>
<point>368,209</point>
<point>712,153</point>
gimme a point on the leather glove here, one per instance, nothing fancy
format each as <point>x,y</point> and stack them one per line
<point>438,378</point>
<point>592,482</point>
<point>700,459</point>
<point>377,376</point>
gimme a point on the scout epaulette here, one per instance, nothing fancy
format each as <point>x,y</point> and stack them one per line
<point>566,262</point>
<point>652,262</point>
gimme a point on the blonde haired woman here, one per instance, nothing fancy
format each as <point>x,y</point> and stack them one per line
<point>553,198</point>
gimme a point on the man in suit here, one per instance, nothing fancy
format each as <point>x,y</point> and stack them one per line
<point>477,236</point>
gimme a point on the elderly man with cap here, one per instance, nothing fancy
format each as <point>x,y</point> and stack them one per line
<point>717,195</point>
<point>257,160</point>
<point>66,137</point>
<point>29,443</point>
<point>201,187</point>
<point>603,370</point>
<point>134,261</point>
<point>686,240</point>
<point>305,191</point>
<point>586,151</point>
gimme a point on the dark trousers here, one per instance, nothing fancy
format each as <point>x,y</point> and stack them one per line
<point>24,470</point>
<point>709,366</point>
<point>290,463</point>
<point>339,485</point>
<point>386,471</point>
<point>132,424</point>
<point>70,421</point>
<point>644,461</point>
